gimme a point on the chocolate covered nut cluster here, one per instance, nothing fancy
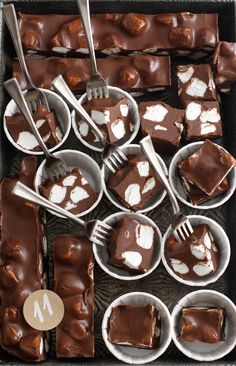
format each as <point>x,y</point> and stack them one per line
<point>225,69</point>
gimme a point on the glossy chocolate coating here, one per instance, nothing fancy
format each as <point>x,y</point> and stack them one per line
<point>73,279</point>
<point>207,167</point>
<point>203,120</point>
<point>201,324</point>
<point>50,130</point>
<point>165,128</point>
<point>195,257</point>
<point>129,247</point>
<point>225,66</point>
<point>130,73</point>
<point>129,179</point>
<point>72,192</point>
<point>134,326</point>
<point>195,82</point>
<point>116,32</point>
<point>112,117</point>
<point>20,266</point>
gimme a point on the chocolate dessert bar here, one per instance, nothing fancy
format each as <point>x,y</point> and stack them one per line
<point>116,32</point>
<point>73,279</point>
<point>196,82</point>
<point>202,324</point>
<point>225,66</point>
<point>132,245</point>
<point>20,267</point>
<point>112,117</point>
<point>163,123</point>
<point>135,184</point>
<point>207,167</point>
<point>138,73</point>
<point>134,326</point>
<point>195,257</point>
<point>71,192</point>
<point>203,120</point>
<point>46,122</point>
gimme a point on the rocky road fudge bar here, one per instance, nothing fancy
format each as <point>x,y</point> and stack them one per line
<point>46,122</point>
<point>73,279</point>
<point>202,120</point>
<point>138,73</point>
<point>195,257</point>
<point>202,324</point>
<point>111,115</point>
<point>134,326</point>
<point>163,123</point>
<point>20,267</point>
<point>132,245</point>
<point>135,184</point>
<point>196,82</point>
<point>117,32</point>
<point>225,65</point>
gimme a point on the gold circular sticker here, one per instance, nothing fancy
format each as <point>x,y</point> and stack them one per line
<point>43,310</point>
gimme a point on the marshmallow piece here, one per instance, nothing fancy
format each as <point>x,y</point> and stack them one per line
<point>149,184</point>
<point>197,88</point>
<point>132,259</point>
<point>207,128</point>
<point>186,76</point>
<point>198,251</point>
<point>27,140</point>
<point>161,128</point>
<point>144,236</point>
<point>69,181</point>
<point>58,133</point>
<point>155,113</point>
<point>203,268</point>
<point>101,118</point>
<point>78,194</point>
<point>69,205</point>
<point>83,129</point>
<point>62,50</point>
<point>57,194</point>
<point>207,241</point>
<point>211,115</point>
<point>40,122</point>
<point>124,110</point>
<point>179,266</point>
<point>143,168</point>
<point>118,128</point>
<point>47,137</point>
<point>193,111</point>
<point>84,181</point>
<point>132,194</point>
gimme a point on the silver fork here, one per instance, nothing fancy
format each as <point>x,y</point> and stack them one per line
<point>55,168</point>
<point>181,225</point>
<point>97,231</point>
<point>112,156</point>
<point>96,85</point>
<point>34,96</point>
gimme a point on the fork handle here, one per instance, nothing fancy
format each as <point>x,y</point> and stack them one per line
<point>148,149</point>
<point>13,88</point>
<point>24,192</point>
<point>12,23</point>
<point>83,6</point>
<point>63,89</point>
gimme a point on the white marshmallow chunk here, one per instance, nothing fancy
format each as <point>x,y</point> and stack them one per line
<point>193,111</point>
<point>47,137</point>
<point>203,268</point>
<point>132,194</point>
<point>207,241</point>
<point>179,266</point>
<point>101,118</point>
<point>132,259</point>
<point>149,184</point>
<point>69,181</point>
<point>63,50</point>
<point>196,88</point>
<point>144,236</point>
<point>118,128</point>
<point>83,129</point>
<point>40,122</point>
<point>160,128</point>
<point>198,251</point>
<point>69,205</point>
<point>155,113</point>
<point>27,140</point>
<point>58,133</point>
<point>57,194</point>
<point>78,194</point>
<point>124,110</point>
<point>143,168</point>
<point>211,115</point>
<point>84,181</point>
<point>184,77</point>
<point>207,128</point>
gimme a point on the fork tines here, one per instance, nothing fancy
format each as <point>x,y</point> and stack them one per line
<point>183,231</point>
<point>101,233</point>
<point>116,161</point>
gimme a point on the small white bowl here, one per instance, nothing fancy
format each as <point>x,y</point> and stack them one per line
<point>101,253</point>
<point>154,201</point>
<point>62,112</point>
<point>138,356</point>
<point>177,185</point>
<point>223,245</point>
<point>205,351</point>
<point>75,159</point>
<point>135,118</point>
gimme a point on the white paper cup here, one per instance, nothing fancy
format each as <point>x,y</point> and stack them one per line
<point>205,351</point>
<point>223,246</point>
<point>62,112</point>
<point>75,159</point>
<point>179,189</point>
<point>138,356</point>
<point>101,253</point>
<point>135,118</point>
<point>156,200</point>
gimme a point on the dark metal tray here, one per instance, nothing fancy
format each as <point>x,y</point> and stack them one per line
<point>158,283</point>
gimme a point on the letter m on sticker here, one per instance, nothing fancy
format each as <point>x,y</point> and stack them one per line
<point>47,308</point>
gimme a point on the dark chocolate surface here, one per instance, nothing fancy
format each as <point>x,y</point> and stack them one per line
<point>225,65</point>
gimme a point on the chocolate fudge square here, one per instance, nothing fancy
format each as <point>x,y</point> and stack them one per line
<point>163,123</point>
<point>132,245</point>
<point>202,120</point>
<point>196,82</point>
<point>207,167</point>
<point>134,326</point>
<point>112,116</point>
<point>72,192</point>
<point>225,65</point>
<point>135,184</point>
<point>195,257</point>
<point>202,324</point>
